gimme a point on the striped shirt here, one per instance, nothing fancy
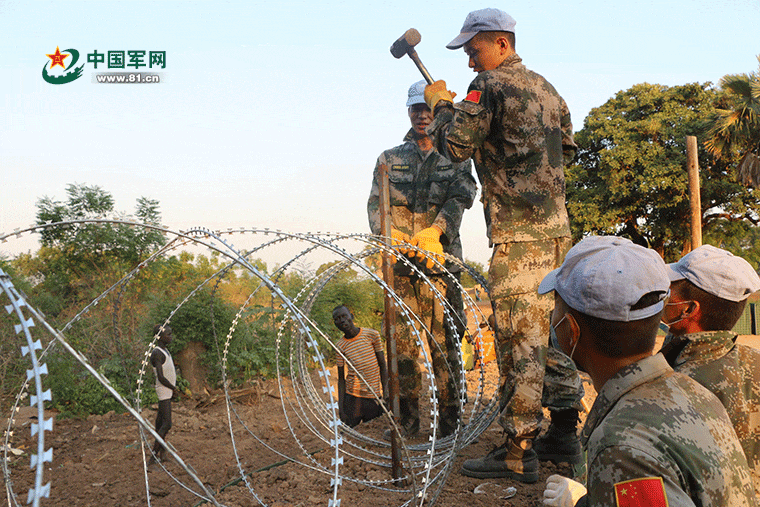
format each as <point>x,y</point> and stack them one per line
<point>360,351</point>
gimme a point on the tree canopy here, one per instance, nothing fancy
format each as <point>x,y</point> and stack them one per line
<point>92,240</point>
<point>734,127</point>
<point>630,175</point>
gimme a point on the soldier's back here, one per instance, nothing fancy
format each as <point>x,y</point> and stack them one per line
<point>669,426</point>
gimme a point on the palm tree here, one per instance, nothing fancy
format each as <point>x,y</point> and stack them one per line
<point>736,129</point>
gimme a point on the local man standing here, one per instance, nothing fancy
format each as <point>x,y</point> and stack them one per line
<point>166,386</point>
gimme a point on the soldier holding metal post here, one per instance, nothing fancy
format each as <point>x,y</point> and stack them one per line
<point>428,195</point>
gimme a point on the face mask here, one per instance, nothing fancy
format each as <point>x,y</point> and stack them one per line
<point>553,333</point>
<point>573,352</point>
<point>668,324</point>
<point>555,341</point>
<point>677,320</point>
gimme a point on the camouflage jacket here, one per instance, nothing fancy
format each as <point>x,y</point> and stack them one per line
<point>517,129</point>
<point>649,422</point>
<point>732,373</point>
<point>425,189</point>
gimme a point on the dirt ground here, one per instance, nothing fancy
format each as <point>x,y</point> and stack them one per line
<point>98,461</point>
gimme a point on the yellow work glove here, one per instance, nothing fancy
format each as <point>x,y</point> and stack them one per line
<point>429,242</point>
<point>398,238</point>
<point>436,92</point>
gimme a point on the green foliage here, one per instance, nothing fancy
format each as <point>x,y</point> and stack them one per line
<point>208,314</point>
<point>734,127</point>
<point>468,281</point>
<point>12,365</point>
<point>193,321</point>
<point>630,175</point>
<point>76,262</point>
<point>76,393</point>
<point>93,241</point>
<point>736,238</point>
<point>253,352</point>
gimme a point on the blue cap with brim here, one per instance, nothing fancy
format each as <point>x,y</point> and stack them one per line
<point>718,272</point>
<point>605,276</point>
<point>483,20</point>
<point>416,93</point>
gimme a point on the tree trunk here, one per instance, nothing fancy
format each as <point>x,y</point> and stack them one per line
<point>189,362</point>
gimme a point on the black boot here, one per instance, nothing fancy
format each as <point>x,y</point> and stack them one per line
<point>561,443</point>
<point>514,460</point>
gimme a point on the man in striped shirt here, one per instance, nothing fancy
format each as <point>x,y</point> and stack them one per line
<point>367,377</point>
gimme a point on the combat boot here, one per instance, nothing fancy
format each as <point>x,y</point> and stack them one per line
<point>515,459</point>
<point>561,443</point>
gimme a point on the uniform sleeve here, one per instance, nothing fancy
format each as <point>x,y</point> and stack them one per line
<point>373,204</point>
<point>459,130</point>
<point>459,197</point>
<point>622,464</point>
<point>569,148</point>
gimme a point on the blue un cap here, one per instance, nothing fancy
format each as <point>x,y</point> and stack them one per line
<point>483,20</point>
<point>718,272</point>
<point>605,276</point>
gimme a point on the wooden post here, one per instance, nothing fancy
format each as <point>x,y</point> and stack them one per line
<point>389,321</point>
<point>695,201</point>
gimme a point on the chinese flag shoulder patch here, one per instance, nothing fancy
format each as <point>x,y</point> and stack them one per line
<point>473,96</point>
<point>644,492</point>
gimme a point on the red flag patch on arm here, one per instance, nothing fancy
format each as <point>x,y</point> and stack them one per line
<point>645,492</point>
<point>473,96</point>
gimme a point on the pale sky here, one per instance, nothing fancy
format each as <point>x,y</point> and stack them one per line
<point>272,114</point>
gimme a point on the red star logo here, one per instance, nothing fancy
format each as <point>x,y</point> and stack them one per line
<point>57,58</point>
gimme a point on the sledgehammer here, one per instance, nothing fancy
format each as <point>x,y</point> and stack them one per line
<point>405,46</point>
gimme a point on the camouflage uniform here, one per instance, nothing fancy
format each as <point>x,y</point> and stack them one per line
<point>732,373</point>
<point>651,422</point>
<point>517,129</point>
<point>425,189</point>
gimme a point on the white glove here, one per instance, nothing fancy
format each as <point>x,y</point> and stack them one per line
<point>562,492</point>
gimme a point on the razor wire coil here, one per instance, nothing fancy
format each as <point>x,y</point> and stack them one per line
<point>308,406</point>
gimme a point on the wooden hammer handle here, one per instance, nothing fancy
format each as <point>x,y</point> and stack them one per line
<point>416,59</point>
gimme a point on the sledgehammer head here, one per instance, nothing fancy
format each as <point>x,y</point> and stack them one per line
<point>405,43</point>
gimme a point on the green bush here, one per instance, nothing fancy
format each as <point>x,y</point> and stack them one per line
<point>252,348</point>
<point>77,393</point>
<point>193,321</point>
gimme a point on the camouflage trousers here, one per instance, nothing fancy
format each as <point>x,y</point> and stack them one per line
<point>531,373</point>
<point>442,341</point>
